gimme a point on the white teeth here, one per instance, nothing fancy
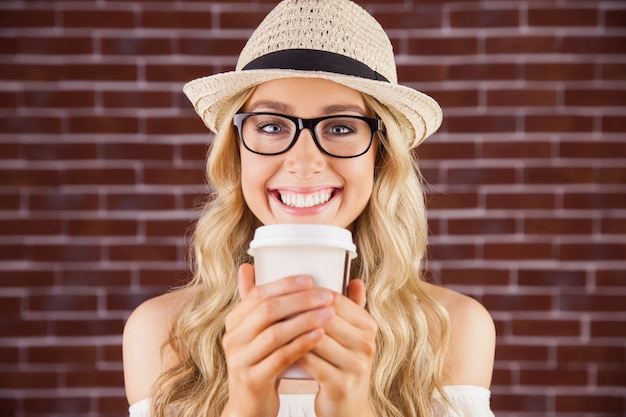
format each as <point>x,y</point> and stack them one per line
<point>304,200</point>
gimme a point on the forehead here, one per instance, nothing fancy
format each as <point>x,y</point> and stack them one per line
<point>305,97</point>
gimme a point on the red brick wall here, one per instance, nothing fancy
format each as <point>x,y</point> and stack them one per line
<point>101,161</point>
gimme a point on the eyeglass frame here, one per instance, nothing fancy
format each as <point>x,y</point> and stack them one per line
<point>375,125</point>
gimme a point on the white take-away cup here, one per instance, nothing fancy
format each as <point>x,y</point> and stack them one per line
<point>321,251</point>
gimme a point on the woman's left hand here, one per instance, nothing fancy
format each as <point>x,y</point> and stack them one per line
<point>342,362</point>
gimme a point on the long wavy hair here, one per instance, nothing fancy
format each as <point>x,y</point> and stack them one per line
<point>391,237</point>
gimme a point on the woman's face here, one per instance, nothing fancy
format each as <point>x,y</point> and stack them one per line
<point>304,185</point>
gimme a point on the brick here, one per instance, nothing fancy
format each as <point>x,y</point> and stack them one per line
<point>8,355</point>
<point>20,328</point>
<point>94,378</point>
<point>96,277</point>
<point>475,276</point>
<point>59,99</point>
<point>54,45</point>
<point>164,279</point>
<point>590,44</point>
<point>558,123</point>
<point>173,19</point>
<point>136,46</point>
<point>409,19</point>
<point>37,227</point>
<point>517,302</point>
<point>597,252</point>
<point>103,124</point>
<point>442,46</point>
<point>140,201</point>
<point>143,252</point>
<point>26,17</point>
<point>447,150</point>
<point>592,302</point>
<point>484,18</point>
<point>66,406</point>
<point>526,354</point>
<point>519,201</point>
<point>526,97</point>
<point>127,301</point>
<point>64,253</point>
<point>85,328</point>
<point>30,72</point>
<point>488,71</point>
<point>32,278</point>
<point>29,177</point>
<point>171,176</point>
<point>9,202</point>
<point>102,227</point>
<point>553,377</point>
<point>595,97</point>
<point>112,353</point>
<point>441,252</point>
<point>454,98</point>
<point>55,201</point>
<point>613,124</point>
<point>28,380</point>
<point>613,71</point>
<point>8,100</point>
<point>137,99</point>
<point>60,151</point>
<point>613,225</point>
<point>562,175</point>
<point>62,302</point>
<point>176,228</point>
<point>558,226</point>
<point>99,72</point>
<point>594,150</point>
<point>546,328</point>
<point>30,125</point>
<point>611,377</point>
<point>420,73</point>
<point>526,402</point>
<point>562,17</point>
<point>598,403</point>
<point>61,354</point>
<point>475,124</point>
<point>558,278</point>
<point>555,71</point>
<point>11,305</point>
<point>452,201</point>
<point>481,176</point>
<point>193,151</point>
<point>526,44</point>
<point>610,278</point>
<point>571,354</point>
<point>98,18</point>
<point>516,150</point>
<point>593,200</point>
<point>482,226</point>
<point>99,176</point>
<point>140,151</point>
<point>175,125</point>
<point>206,46</point>
<point>606,328</point>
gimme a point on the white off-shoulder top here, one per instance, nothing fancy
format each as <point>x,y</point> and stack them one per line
<point>466,401</point>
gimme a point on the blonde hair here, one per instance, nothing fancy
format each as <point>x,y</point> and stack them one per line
<point>391,236</point>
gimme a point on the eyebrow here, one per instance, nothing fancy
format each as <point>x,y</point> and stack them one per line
<point>285,108</point>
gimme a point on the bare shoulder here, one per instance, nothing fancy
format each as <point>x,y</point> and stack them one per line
<point>472,339</point>
<point>145,332</point>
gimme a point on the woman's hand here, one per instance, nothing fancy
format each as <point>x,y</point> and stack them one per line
<point>342,362</point>
<point>272,327</point>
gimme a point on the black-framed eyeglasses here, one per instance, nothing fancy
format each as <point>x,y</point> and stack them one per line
<point>339,136</point>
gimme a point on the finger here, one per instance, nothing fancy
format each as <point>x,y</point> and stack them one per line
<point>356,292</point>
<point>246,279</point>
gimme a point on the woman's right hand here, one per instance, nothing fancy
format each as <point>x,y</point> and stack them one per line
<point>272,327</point>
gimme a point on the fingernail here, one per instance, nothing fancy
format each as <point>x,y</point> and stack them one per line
<point>324,297</point>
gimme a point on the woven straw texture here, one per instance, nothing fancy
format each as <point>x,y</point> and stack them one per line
<point>338,26</point>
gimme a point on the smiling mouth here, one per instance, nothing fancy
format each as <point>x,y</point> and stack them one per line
<point>305,200</point>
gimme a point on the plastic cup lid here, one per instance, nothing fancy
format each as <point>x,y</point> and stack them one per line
<point>302,235</point>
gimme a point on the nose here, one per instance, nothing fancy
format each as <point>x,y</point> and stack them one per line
<point>304,158</point>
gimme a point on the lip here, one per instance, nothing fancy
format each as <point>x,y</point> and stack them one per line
<point>275,197</point>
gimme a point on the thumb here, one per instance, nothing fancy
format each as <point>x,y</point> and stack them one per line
<point>356,292</point>
<point>245,279</point>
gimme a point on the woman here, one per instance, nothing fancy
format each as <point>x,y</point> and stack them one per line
<point>312,127</point>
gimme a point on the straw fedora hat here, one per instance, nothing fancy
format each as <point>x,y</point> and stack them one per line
<point>336,40</point>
